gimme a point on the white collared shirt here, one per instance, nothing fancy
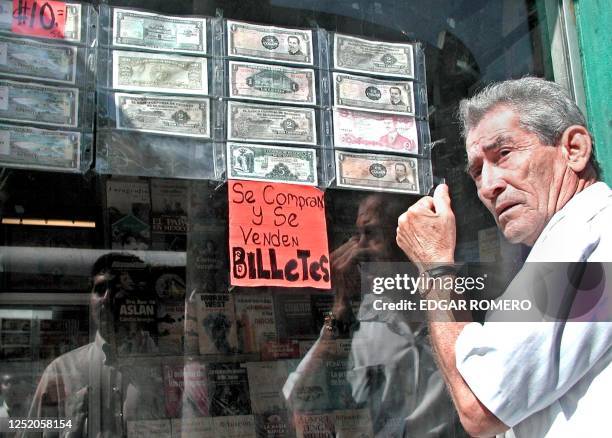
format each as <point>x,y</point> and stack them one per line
<point>549,379</point>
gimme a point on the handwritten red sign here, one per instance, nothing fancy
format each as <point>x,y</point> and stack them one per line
<point>39,18</point>
<point>277,235</point>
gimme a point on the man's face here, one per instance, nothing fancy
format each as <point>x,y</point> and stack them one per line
<point>400,171</point>
<point>101,302</point>
<point>293,45</point>
<point>516,175</point>
<point>395,95</point>
<point>372,234</point>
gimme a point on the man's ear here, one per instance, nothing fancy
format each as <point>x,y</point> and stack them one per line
<point>577,147</point>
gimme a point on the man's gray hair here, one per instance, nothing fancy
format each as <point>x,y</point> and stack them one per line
<point>544,108</point>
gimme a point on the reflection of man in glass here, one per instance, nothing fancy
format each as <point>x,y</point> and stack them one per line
<point>390,369</point>
<point>395,96</point>
<point>91,386</point>
<point>15,392</point>
<point>293,45</point>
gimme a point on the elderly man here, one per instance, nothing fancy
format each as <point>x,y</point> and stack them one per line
<point>531,159</point>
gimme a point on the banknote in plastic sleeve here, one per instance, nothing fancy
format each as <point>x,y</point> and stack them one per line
<point>139,71</point>
<point>140,29</point>
<point>373,57</point>
<point>163,114</point>
<point>29,147</point>
<point>247,40</point>
<point>368,94</point>
<point>272,83</point>
<point>387,173</point>
<point>272,163</point>
<point>375,132</point>
<point>31,59</point>
<point>42,104</point>
<point>271,123</point>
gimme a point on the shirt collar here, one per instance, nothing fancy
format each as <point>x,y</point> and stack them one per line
<point>583,206</point>
<point>105,348</point>
<point>578,211</point>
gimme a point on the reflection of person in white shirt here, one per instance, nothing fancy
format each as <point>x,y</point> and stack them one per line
<point>390,367</point>
<point>117,389</point>
<point>530,156</point>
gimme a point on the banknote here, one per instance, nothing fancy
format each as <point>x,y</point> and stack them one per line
<point>272,83</point>
<point>72,26</point>
<point>47,105</point>
<point>163,114</point>
<point>385,173</point>
<point>271,123</point>
<point>373,94</point>
<point>159,72</point>
<point>160,32</point>
<point>373,57</point>
<point>35,60</point>
<point>374,131</point>
<point>272,163</point>
<point>32,147</point>
<point>248,40</point>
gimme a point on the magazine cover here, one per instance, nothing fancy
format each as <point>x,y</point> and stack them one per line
<point>255,322</point>
<point>169,214</point>
<point>129,209</point>
<point>266,380</point>
<point>314,425</point>
<point>228,388</point>
<point>275,350</point>
<point>149,428</point>
<point>274,425</point>
<point>353,423</point>
<point>338,387</point>
<point>216,324</point>
<point>171,327</point>
<point>193,428</point>
<point>235,426</point>
<point>321,306</point>
<point>312,392</point>
<point>294,316</point>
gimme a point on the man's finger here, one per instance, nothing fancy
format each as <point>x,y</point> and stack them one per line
<point>441,199</point>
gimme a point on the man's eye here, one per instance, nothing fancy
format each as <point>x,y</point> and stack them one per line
<point>504,152</point>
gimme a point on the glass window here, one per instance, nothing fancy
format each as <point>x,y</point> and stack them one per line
<point>117,309</point>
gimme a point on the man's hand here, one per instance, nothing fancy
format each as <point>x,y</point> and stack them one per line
<point>426,232</point>
<point>346,275</point>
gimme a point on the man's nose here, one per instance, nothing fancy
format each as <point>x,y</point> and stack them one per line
<point>492,183</point>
